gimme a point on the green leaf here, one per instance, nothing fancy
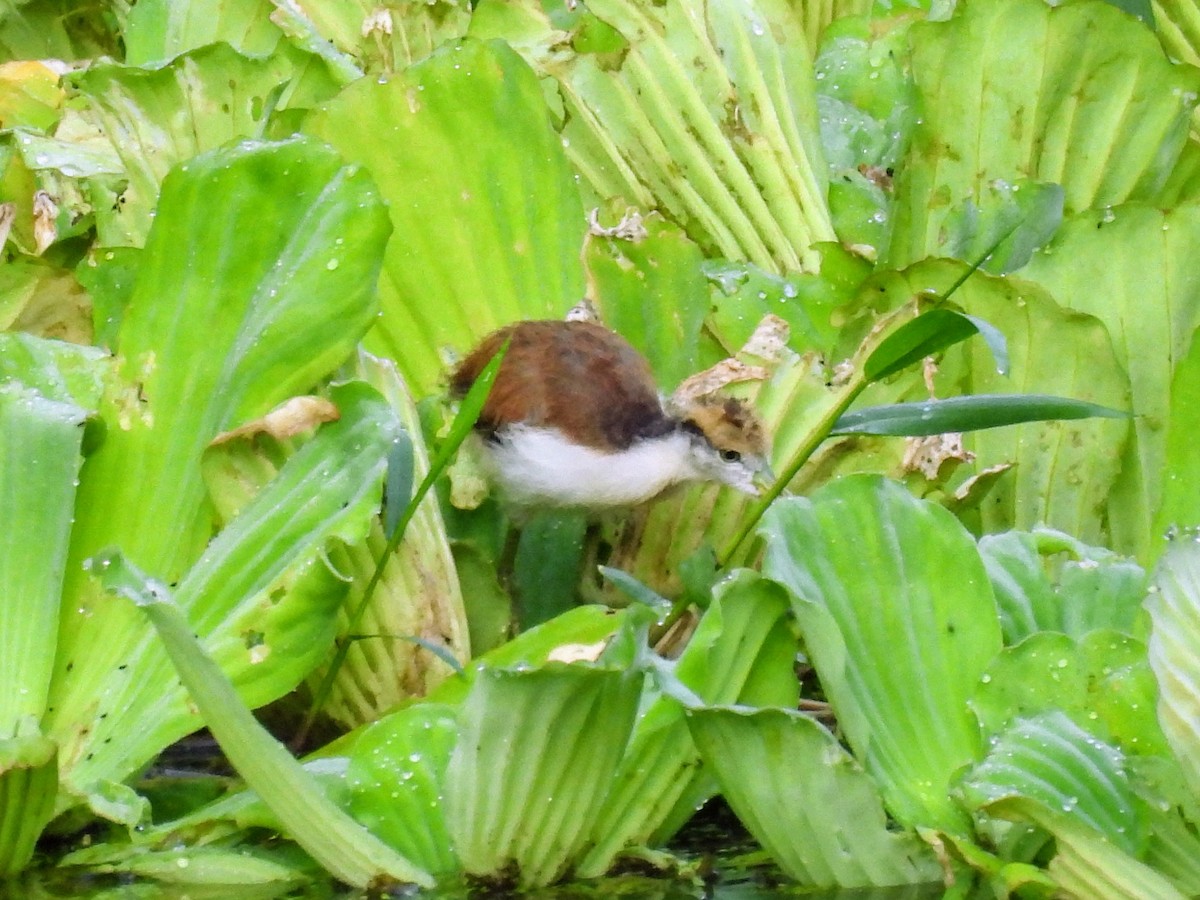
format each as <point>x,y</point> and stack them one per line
<point>1176,28</point>
<point>742,294</point>
<point>262,598</point>
<point>636,590</point>
<point>378,39</point>
<point>1174,608</point>
<point>537,752</point>
<point>967,414</point>
<point>248,871</point>
<point>1048,581</point>
<point>59,371</point>
<point>396,780</point>
<point>1181,462</point>
<point>1005,225</point>
<point>337,842</point>
<point>211,339</point>
<point>56,29</point>
<point>398,487</point>
<point>1088,865</point>
<point>1107,263</point>
<point>706,111</point>
<point>39,467</point>
<point>743,650</point>
<point>490,615</point>
<point>1050,763</point>
<point>487,215</point>
<point>159,117</point>
<point>159,30</point>
<point>652,291</point>
<point>899,621</point>
<point>109,277</point>
<point>806,800</point>
<point>546,569</point>
<point>1102,682</point>
<point>1139,9</point>
<point>1016,89</point>
<point>867,111</point>
<point>28,787</point>
<point>927,334</point>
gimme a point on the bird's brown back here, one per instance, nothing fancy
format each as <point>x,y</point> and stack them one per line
<point>578,376</point>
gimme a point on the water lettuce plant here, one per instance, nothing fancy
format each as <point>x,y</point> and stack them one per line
<point>944,249</point>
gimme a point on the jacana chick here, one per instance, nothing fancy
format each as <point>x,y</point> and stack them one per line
<point>574,420</point>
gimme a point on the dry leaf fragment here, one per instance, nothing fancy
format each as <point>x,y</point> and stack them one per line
<point>288,419</point>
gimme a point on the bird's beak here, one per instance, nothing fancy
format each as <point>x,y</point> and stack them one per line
<point>764,477</point>
<point>760,479</point>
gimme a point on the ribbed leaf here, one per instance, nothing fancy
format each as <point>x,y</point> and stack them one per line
<point>28,786</point>
<point>742,650</point>
<point>652,291</point>
<point>377,38</point>
<point>1063,471</point>
<point>158,29</point>
<point>418,595</point>
<point>397,783</point>
<point>1060,770</point>
<point>248,317</point>
<point>1091,866</point>
<point>1079,95</point>
<point>1107,264</point>
<point>39,466</point>
<point>1174,607</point>
<point>704,110</point>
<point>487,216</point>
<point>899,620</point>
<point>806,800</point>
<point>1177,26</point>
<point>1102,682</point>
<point>1048,581</point>
<point>159,117</point>
<point>536,753</point>
<point>337,842</point>
<point>262,598</point>
<point>1181,461</point>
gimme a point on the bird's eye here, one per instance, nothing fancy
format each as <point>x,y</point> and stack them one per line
<point>730,455</point>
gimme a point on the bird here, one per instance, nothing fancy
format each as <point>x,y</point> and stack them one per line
<point>574,420</point>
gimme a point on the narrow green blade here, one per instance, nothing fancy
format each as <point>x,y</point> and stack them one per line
<point>346,849</point>
<point>971,413</point>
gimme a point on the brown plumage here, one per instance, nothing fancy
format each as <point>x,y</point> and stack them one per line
<point>589,382</point>
<point>574,419</point>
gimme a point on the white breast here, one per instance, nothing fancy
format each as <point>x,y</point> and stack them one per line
<point>539,467</point>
